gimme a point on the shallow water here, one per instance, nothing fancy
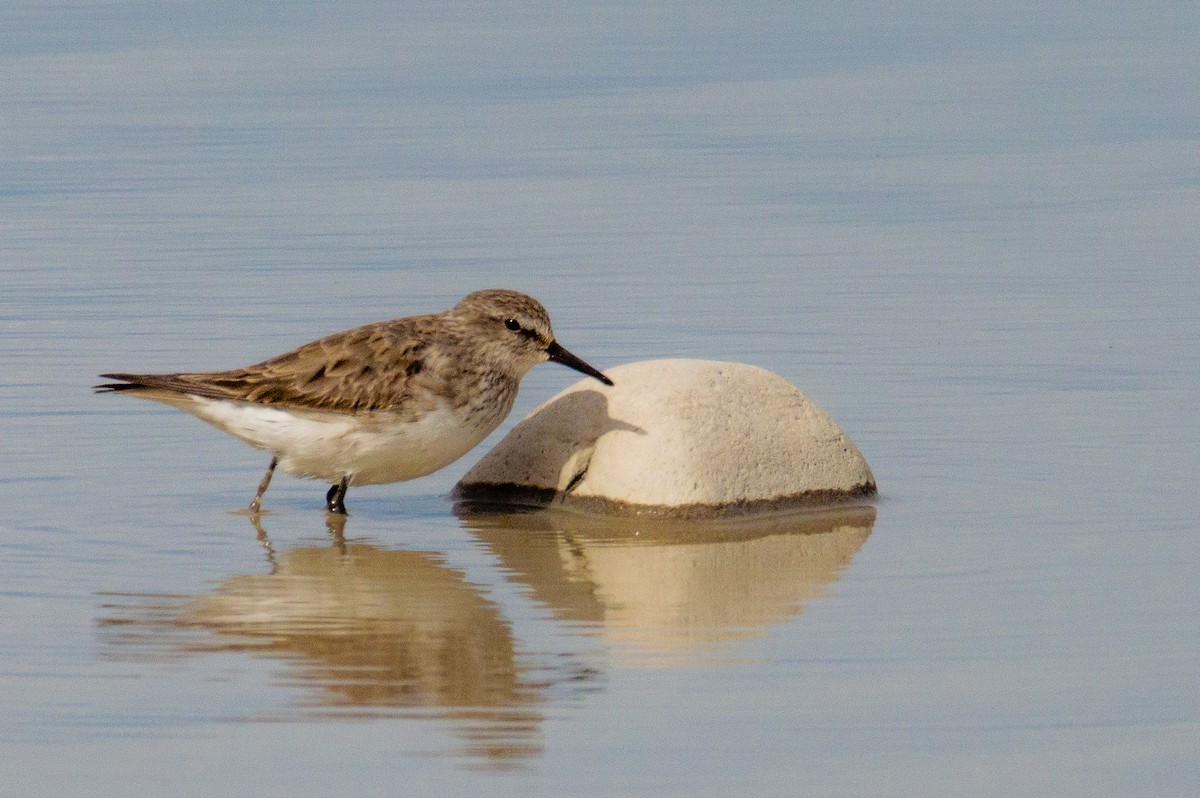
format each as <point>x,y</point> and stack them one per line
<point>968,234</point>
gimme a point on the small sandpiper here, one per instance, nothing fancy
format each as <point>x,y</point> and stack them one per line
<point>384,402</point>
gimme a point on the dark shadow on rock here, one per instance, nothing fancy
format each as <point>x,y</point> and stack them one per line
<point>544,460</point>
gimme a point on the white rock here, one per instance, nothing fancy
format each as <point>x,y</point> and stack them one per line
<point>675,437</point>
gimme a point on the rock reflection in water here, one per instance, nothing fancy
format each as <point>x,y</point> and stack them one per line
<point>658,587</point>
<point>364,632</point>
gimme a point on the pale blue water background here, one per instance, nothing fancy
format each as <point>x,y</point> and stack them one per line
<point>969,232</point>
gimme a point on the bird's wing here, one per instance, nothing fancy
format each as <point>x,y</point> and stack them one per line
<point>374,367</point>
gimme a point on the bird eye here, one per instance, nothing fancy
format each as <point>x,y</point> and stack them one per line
<point>512,324</point>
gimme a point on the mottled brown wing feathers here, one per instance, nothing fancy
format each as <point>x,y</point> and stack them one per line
<point>374,367</point>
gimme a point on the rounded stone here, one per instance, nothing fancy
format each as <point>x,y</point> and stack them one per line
<point>674,437</point>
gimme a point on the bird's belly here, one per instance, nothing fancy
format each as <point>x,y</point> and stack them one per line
<point>371,448</point>
<point>381,453</point>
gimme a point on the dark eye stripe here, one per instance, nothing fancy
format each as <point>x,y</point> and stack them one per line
<point>516,327</point>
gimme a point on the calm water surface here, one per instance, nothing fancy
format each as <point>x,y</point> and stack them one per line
<point>969,234</point>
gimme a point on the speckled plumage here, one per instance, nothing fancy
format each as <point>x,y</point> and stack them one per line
<point>378,403</point>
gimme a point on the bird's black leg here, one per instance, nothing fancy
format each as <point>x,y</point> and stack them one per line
<point>256,504</point>
<point>335,499</point>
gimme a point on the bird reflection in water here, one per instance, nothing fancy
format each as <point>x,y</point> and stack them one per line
<point>364,632</point>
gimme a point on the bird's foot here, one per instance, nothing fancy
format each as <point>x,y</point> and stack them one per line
<point>335,499</point>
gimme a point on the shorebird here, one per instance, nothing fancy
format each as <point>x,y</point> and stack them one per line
<point>383,402</point>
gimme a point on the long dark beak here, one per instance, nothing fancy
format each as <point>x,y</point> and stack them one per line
<point>560,355</point>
